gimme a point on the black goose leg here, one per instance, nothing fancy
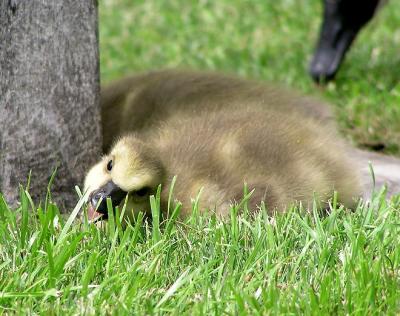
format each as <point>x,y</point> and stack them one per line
<point>342,20</point>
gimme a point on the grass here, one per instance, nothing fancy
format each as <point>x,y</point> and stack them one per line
<point>293,263</point>
<point>265,39</point>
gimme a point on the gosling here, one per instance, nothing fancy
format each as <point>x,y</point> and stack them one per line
<point>285,157</point>
<point>141,102</point>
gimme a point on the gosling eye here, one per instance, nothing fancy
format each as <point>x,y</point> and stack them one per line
<point>109,165</point>
<point>141,193</point>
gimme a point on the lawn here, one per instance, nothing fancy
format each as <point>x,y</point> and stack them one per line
<point>293,263</point>
<point>298,262</point>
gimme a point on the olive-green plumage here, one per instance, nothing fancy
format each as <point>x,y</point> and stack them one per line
<point>215,132</point>
<point>140,102</point>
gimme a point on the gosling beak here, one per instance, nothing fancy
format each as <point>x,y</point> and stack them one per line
<point>99,198</point>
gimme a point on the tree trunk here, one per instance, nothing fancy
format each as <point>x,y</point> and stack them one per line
<point>49,95</point>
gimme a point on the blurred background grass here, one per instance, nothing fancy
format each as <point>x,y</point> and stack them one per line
<point>265,39</point>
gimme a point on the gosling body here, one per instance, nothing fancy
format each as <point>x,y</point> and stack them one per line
<point>141,102</point>
<point>216,133</point>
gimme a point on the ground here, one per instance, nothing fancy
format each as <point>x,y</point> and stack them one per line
<point>300,262</point>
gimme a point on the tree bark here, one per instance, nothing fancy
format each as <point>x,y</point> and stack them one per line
<point>49,95</point>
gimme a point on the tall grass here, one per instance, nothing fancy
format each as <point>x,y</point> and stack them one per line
<point>346,262</point>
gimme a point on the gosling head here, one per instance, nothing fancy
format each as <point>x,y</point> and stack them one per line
<point>132,168</point>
